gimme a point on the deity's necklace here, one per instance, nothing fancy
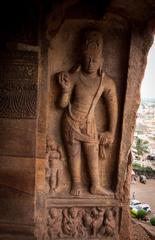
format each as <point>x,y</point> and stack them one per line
<point>88,81</point>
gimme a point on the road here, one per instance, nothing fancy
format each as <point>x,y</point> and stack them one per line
<point>144,192</point>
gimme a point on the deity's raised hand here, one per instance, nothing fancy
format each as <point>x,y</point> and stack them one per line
<point>64,80</point>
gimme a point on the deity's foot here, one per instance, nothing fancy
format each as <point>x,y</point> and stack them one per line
<point>76,190</point>
<point>52,191</point>
<point>99,191</point>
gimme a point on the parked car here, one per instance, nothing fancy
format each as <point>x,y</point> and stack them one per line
<point>134,202</point>
<point>142,179</point>
<point>151,157</point>
<point>143,206</point>
<point>137,205</point>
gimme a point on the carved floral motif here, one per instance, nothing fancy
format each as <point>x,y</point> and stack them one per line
<point>18,84</point>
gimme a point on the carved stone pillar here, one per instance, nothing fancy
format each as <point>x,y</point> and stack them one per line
<point>85,127</point>
<point>18,113</point>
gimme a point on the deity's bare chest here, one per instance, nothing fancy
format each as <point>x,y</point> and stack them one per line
<point>85,90</point>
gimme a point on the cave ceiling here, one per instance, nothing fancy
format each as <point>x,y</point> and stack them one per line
<point>19,17</point>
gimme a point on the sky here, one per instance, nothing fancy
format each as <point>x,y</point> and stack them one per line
<point>148,83</point>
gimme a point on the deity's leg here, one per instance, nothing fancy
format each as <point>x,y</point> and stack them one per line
<point>91,154</point>
<point>53,180</point>
<point>74,160</point>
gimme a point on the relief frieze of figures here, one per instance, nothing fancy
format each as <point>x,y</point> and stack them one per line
<point>82,223</point>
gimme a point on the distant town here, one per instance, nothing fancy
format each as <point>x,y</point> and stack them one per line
<point>143,164</point>
<point>144,137</point>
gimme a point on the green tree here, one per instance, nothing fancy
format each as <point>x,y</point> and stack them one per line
<point>141,147</point>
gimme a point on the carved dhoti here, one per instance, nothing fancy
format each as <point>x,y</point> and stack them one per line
<point>79,129</point>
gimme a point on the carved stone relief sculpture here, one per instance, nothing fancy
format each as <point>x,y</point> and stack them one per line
<point>54,223</point>
<point>18,84</point>
<point>54,165</point>
<point>81,90</point>
<point>82,223</point>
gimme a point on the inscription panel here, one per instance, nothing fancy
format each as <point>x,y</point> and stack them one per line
<point>18,84</point>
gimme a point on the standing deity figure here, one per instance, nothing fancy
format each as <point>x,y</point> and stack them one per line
<point>81,91</point>
<point>53,167</point>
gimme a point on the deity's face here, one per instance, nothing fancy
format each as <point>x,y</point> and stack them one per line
<point>53,213</point>
<point>73,212</point>
<point>92,52</point>
<point>91,64</point>
<point>110,215</point>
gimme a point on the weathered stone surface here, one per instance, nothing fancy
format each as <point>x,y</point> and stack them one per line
<point>65,59</point>
<point>18,104</point>
<point>77,222</point>
<point>18,84</point>
<point>18,137</point>
<point>17,182</point>
<point>41,196</point>
<point>63,54</point>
